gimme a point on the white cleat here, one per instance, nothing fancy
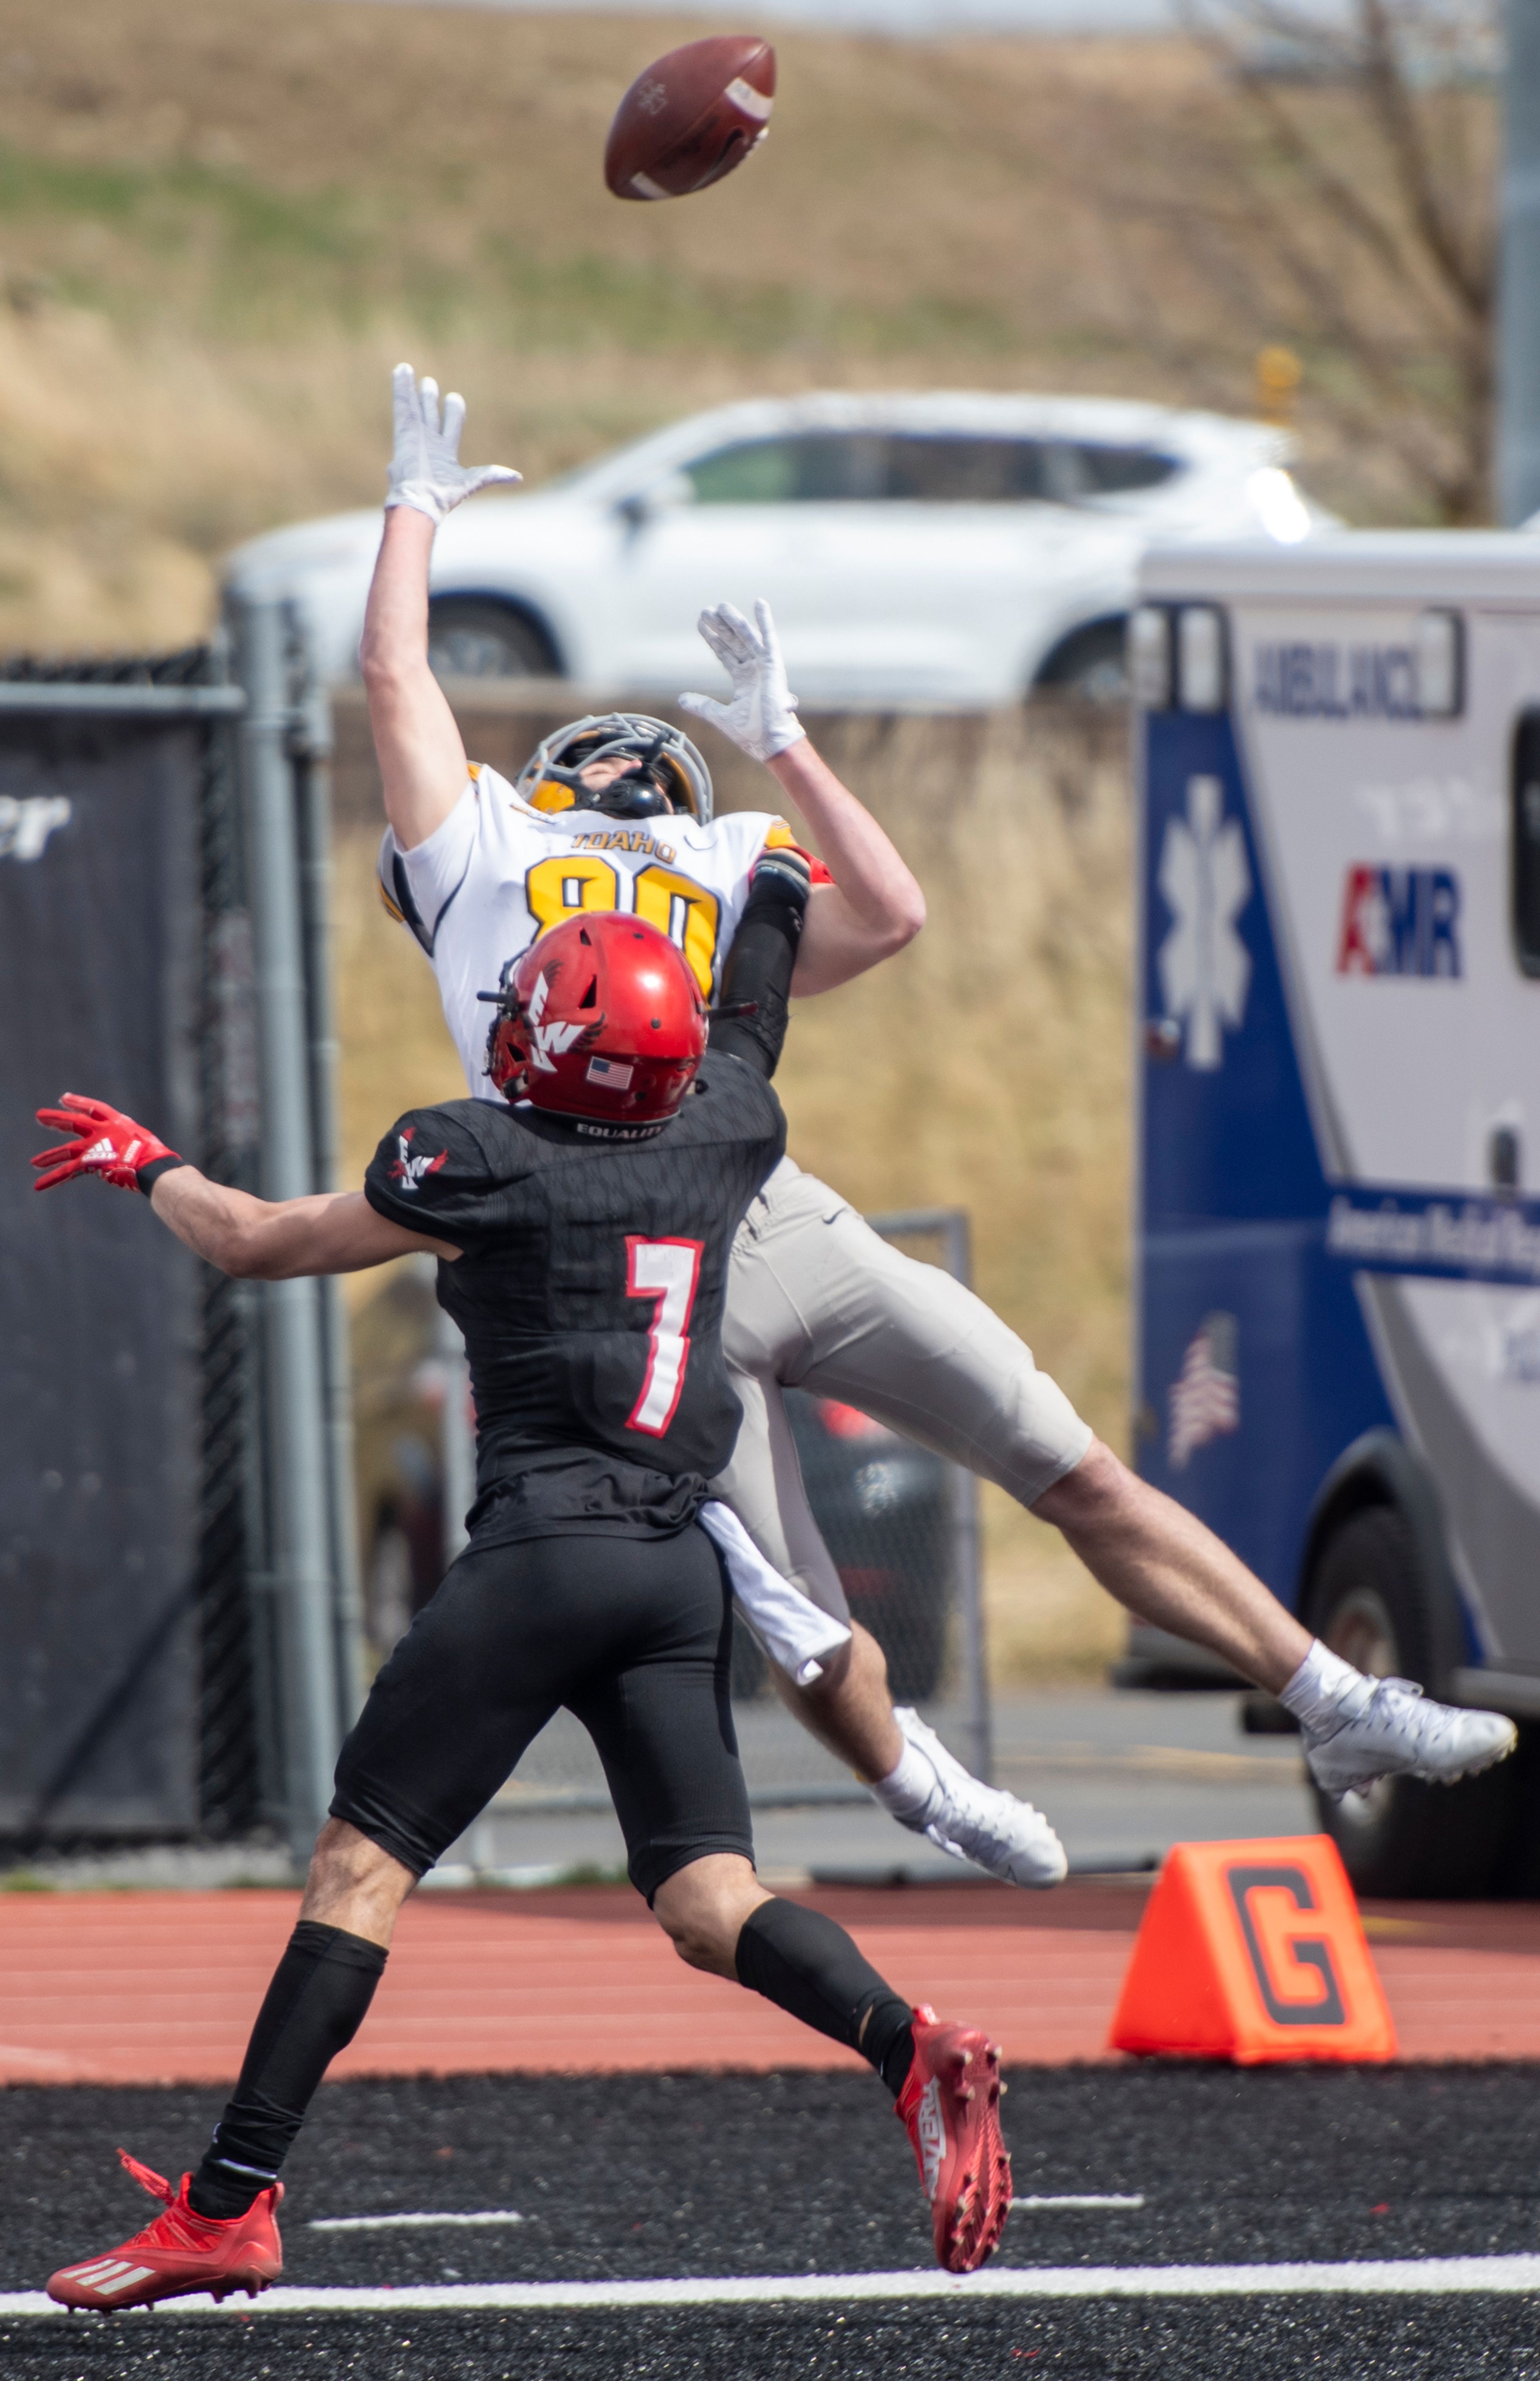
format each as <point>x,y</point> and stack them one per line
<point>1389,1729</point>
<point>979,1823</point>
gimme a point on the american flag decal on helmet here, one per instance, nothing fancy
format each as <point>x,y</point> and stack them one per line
<point>1205,1396</point>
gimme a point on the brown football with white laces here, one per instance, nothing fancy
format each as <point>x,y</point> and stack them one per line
<point>690,118</point>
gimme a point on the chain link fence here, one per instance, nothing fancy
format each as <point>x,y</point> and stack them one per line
<point>237,1728</point>
<point>148,1719</point>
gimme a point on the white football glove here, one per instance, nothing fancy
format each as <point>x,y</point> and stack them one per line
<point>762,717</point>
<point>425,469</point>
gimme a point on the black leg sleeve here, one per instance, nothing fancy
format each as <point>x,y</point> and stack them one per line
<point>319,1998</point>
<point>809,1967</point>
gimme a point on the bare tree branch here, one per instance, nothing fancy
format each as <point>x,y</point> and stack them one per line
<point>1356,217</point>
<point>1419,184</point>
<point>1351,208</point>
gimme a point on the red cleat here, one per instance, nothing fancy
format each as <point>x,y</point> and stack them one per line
<point>950,2104</point>
<point>180,2254</point>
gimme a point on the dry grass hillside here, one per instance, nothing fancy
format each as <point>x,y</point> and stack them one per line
<point>220,224</point>
<point>987,1067</point>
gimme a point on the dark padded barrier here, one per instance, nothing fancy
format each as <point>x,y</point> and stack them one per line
<point>110,1518</point>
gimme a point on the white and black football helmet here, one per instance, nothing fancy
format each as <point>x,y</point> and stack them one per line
<point>665,772</point>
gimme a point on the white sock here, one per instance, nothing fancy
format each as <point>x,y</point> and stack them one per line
<point>1321,1686</point>
<point>909,1789</point>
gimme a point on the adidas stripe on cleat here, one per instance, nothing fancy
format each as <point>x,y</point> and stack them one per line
<point>950,2107</point>
<point>180,2254</point>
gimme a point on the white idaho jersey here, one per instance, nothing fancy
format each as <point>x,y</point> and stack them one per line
<point>496,875</point>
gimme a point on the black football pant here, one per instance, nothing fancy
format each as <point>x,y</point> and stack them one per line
<point>631,1636</point>
<point>635,1639</point>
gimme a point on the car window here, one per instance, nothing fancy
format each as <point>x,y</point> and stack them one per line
<point>857,467</point>
<point>919,467</point>
<point>819,467</point>
<point>1117,471</point>
<point>952,469</point>
<point>1525,883</point>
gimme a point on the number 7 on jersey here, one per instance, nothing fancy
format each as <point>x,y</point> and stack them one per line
<point>667,1271</point>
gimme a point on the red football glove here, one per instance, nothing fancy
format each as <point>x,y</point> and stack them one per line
<point>107,1143</point>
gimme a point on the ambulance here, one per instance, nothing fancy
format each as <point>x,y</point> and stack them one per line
<point>1337,1218</point>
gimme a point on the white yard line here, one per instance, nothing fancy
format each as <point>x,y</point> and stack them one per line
<point>1082,2199</point>
<point>1376,2278</point>
<point>409,2223</point>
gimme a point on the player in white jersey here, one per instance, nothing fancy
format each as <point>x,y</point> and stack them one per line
<point>511,861</point>
<point>616,813</point>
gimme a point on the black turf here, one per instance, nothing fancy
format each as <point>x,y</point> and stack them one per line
<point>784,2174</point>
<point>1469,2339</point>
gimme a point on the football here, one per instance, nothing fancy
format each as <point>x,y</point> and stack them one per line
<point>690,118</point>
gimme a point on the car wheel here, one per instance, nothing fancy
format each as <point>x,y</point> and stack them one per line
<point>1369,1603</point>
<point>1090,666</point>
<point>471,637</point>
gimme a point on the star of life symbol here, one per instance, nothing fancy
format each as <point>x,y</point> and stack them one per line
<point>1205,968</point>
<point>408,1170</point>
<point>544,1039</point>
<point>931,2125</point>
<point>1205,1396</point>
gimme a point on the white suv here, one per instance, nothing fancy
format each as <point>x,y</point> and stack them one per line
<point>934,550</point>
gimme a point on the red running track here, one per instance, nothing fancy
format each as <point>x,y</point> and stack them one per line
<point>161,1987</point>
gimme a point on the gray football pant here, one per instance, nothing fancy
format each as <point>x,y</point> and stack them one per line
<point>818,1301</point>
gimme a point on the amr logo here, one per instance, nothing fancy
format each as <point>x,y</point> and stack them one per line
<point>1205,968</point>
<point>1399,921</point>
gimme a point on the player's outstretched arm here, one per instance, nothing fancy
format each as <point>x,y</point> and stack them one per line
<point>417,742</point>
<point>874,905</point>
<point>256,1239</point>
<point>262,1239</point>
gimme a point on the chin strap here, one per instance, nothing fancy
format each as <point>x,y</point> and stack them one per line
<point>641,796</point>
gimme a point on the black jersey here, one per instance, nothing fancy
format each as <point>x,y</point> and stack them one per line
<point>590,1294</point>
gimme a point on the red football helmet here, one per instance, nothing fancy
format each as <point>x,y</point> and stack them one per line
<point>600,1019</point>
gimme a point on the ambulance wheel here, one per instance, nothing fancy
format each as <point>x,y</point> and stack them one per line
<point>1370,1602</point>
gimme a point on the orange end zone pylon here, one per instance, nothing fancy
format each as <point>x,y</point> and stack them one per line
<point>1253,1951</point>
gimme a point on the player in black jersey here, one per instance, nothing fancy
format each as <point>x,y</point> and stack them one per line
<point>584,1233</point>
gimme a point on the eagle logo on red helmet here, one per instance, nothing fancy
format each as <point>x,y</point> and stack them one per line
<point>548,1041</point>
